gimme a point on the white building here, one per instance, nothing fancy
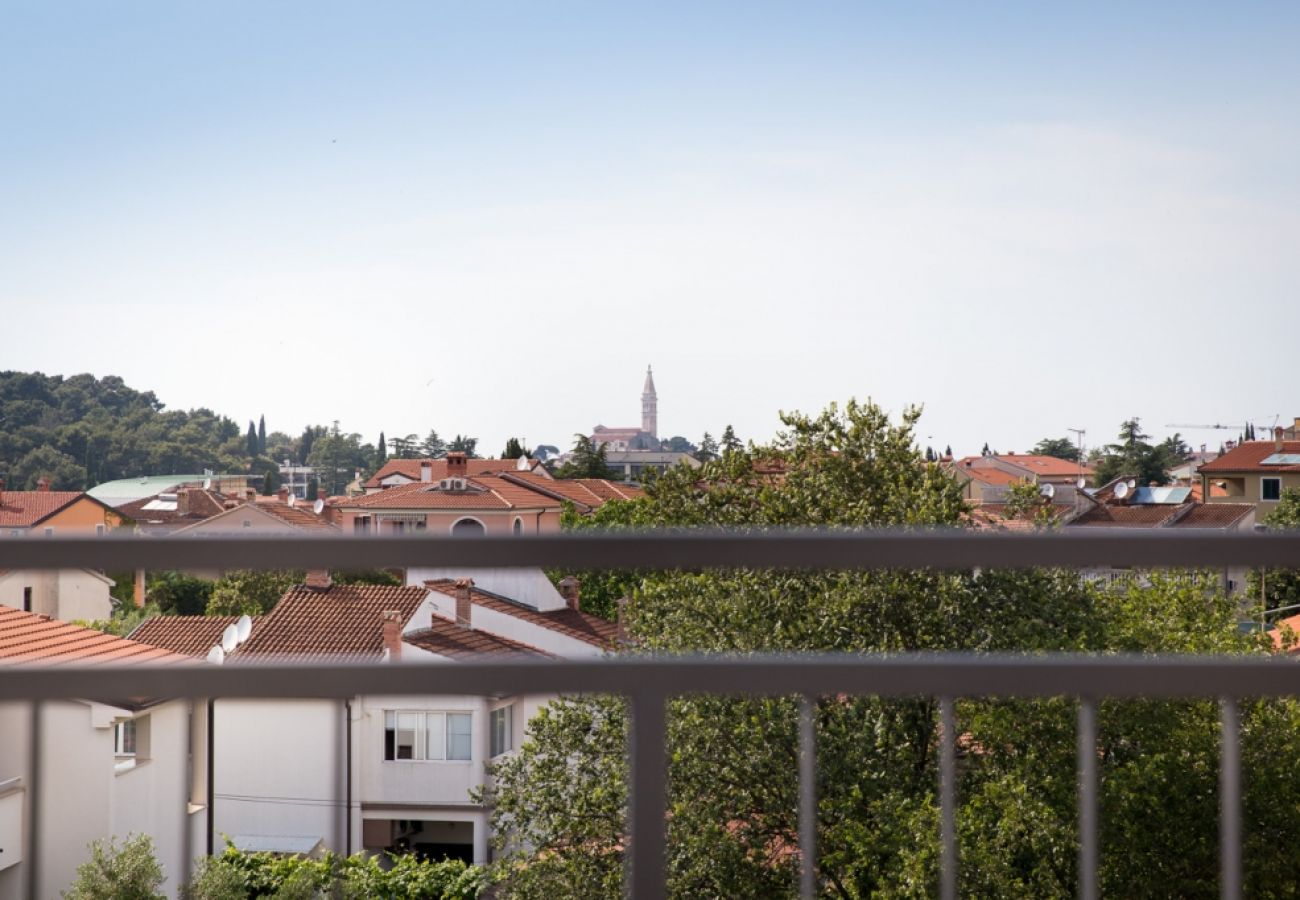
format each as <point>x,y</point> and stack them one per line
<point>376,772</point>
<point>106,769</point>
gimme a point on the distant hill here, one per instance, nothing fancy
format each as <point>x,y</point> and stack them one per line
<point>81,430</point>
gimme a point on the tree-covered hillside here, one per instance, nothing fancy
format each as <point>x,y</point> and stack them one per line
<point>82,430</point>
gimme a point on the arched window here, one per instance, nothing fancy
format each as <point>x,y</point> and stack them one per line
<point>468,528</point>
<point>519,526</point>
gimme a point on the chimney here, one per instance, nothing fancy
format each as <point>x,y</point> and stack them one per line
<point>283,494</point>
<point>183,501</point>
<point>1277,439</point>
<point>393,634</point>
<point>570,589</point>
<point>250,495</point>
<point>426,471</point>
<point>319,579</point>
<point>457,465</point>
<point>464,602</point>
<point>43,484</point>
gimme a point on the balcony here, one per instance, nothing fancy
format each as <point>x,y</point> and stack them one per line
<point>649,682</point>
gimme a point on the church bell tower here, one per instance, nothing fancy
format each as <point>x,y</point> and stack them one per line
<point>650,406</point>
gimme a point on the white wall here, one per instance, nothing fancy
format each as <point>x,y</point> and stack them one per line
<point>530,586</point>
<point>65,594</point>
<point>278,769</point>
<point>424,781</point>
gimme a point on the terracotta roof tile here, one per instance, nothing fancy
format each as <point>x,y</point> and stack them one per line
<point>487,492</point>
<point>572,623</point>
<point>341,620</point>
<point>1050,466</point>
<point>1145,516</point>
<point>445,638</point>
<point>25,509</point>
<point>410,468</point>
<point>587,492</point>
<point>1249,457</point>
<point>300,516</point>
<point>202,505</point>
<point>27,638</point>
<point>1215,515</point>
<point>190,635</point>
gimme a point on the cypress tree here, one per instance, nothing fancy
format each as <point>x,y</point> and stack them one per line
<point>382,450</point>
<point>252,439</point>
<point>261,435</point>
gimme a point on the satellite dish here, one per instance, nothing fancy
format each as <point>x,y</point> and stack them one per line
<point>216,656</point>
<point>1048,491</point>
<point>1132,483</point>
<point>230,639</point>
<point>1081,483</point>
<point>318,507</point>
<point>207,484</point>
<point>293,499</point>
<point>243,628</point>
<point>1121,490</point>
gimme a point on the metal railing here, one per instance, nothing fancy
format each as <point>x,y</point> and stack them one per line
<point>648,682</point>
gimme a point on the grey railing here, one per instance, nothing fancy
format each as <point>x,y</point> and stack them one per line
<point>648,682</point>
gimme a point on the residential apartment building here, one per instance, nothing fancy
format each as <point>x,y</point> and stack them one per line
<point>377,772</point>
<point>1254,472</point>
<point>108,767</point>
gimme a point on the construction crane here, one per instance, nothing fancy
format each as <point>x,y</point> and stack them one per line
<point>1210,427</point>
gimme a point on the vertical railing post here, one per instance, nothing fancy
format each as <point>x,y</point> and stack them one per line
<point>947,800</point>
<point>1087,752</point>
<point>1229,800</point>
<point>647,794</point>
<point>35,753</point>
<point>807,798</point>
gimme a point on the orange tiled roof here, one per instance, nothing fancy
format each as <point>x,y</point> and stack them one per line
<point>189,635</point>
<point>26,509</point>
<point>1144,516</point>
<point>1292,623</point>
<point>495,493</point>
<point>445,638</point>
<point>341,620</point>
<point>1249,457</point>
<point>1215,515</point>
<point>985,474</point>
<point>300,516</point>
<point>27,638</point>
<point>1050,466</point>
<point>202,505</point>
<point>411,469</point>
<point>588,492</point>
<point>575,624</point>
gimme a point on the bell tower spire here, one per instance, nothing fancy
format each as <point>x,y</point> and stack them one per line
<point>650,406</point>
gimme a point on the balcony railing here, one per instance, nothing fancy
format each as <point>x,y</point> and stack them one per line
<point>649,682</point>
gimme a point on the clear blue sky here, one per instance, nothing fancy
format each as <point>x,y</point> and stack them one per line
<point>489,217</point>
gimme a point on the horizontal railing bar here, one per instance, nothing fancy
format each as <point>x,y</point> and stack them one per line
<point>667,549</point>
<point>938,674</point>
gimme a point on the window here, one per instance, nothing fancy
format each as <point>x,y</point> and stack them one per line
<point>428,735</point>
<point>468,528</point>
<point>27,599</point>
<point>1270,488</point>
<point>361,524</point>
<point>500,728</point>
<point>124,738</point>
<point>518,526</point>
<point>99,530</point>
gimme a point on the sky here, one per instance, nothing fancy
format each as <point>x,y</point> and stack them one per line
<point>489,217</point>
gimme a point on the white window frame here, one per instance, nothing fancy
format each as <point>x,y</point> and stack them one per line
<point>120,729</point>
<point>452,528</point>
<point>1267,478</point>
<point>420,752</point>
<point>505,716</point>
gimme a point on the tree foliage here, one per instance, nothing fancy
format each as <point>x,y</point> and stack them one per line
<point>462,443</point>
<point>587,460</point>
<point>1061,448</point>
<point>128,872</point>
<point>235,875</point>
<point>515,448</point>
<point>1135,457</point>
<point>560,801</point>
<point>249,592</point>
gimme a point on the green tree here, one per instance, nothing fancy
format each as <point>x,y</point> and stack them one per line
<point>129,872</point>
<point>261,435</point>
<point>249,592</point>
<point>587,460</point>
<point>45,462</point>
<point>381,452</point>
<point>985,451</point>
<point>1277,591</point>
<point>1025,501</point>
<point>732,761</point>
<point>313,489</point>
<point>1134,457</point>
<point>251,441</point>
<point>679,444</point>
<point>463,444</point>
<point>730,443</point>
<point>337,456</point>
<point>1061,448</point>
<point>515,448</point>
<point>434,447</point>
<point>268,483</point>
<point>708,448</point>
<point>176,593</point>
